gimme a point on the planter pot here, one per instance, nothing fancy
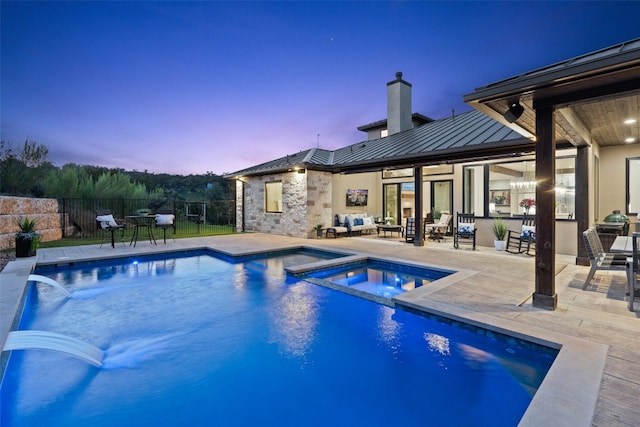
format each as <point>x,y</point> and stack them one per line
<point>318,233</point>
<point>500,245</point>
<point>24,248</point>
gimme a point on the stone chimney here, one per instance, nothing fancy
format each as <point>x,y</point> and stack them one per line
<point>398,105</point>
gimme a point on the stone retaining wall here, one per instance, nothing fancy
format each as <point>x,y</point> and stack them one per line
<point>44,211</point>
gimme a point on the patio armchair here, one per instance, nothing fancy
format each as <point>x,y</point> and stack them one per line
<point>523,240</point>
<point>633,270</point>
<point>106,223</point>
<point>165,218</point>
<point>599,259</point>
<point>465,229</point>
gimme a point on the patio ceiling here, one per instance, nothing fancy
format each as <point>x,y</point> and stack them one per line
<point>593,95</point>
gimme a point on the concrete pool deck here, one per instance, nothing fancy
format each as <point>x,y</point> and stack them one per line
<point>596,377</point>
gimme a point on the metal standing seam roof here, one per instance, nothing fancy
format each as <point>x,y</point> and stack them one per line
<point>617,55</point>
<point>461,137</point>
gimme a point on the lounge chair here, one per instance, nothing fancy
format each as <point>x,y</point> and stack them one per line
<point>523,240</point>
<point>106,223</point>
<point>599,259</point>
<point>165,218</point>
<point>633,270</point>
<point>465,229</point>
<point>439,229</point>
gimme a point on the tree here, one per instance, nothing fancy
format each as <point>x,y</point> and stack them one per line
<point>21,174</point>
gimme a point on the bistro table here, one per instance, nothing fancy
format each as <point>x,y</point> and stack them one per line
<point>142,221</point>
<point>390,228</point>
<point>622,245</point>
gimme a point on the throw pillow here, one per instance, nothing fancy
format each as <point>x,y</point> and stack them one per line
<point>367,220</point>
<point>466,227</point>
<point>106,221</point>
<point>527,231</point>
<point>358,221</point>
<point>164,219</point>
<point>348,221</point>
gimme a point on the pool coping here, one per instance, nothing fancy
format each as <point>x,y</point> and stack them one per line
<point>569,391</point>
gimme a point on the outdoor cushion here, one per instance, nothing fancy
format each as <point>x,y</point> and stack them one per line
<point>466,227</point>
<point>358,221</point>
<point>527,231</point>
<point>164,219</point>
<point>348,220</point>
<point>367,221</point>
<point>106,221</point>
<point>342,220</point>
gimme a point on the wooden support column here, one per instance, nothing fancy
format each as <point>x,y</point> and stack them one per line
<point>545,293</point>
<point>417,183</point>
<point>582,201</point>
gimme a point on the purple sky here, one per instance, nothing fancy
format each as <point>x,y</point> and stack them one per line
<point>195,87</point>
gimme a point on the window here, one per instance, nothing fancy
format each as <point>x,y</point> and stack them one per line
<point>473,189</point>
<point>504,187</point>
<point>273,197</point>
<point>397,173</point>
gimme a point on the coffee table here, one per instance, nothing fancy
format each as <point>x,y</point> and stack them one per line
<point>389,228</point>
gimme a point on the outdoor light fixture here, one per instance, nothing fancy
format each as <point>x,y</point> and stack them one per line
<point>514,112</point>
<point>302,170</point>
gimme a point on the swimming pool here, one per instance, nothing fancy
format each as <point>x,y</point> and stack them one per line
<point>203,341</point>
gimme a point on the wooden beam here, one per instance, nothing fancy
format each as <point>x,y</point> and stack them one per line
<point>545,293</point>
<point>579,128</point>
<point>505,171</point>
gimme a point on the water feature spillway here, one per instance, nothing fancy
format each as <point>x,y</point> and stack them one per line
<point>45,340</point>
<point>49,281</point>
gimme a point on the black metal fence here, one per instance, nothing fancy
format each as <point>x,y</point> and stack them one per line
<point>192,218</point>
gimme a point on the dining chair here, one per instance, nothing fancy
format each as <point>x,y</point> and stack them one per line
<point>165,218</point>
<point>107,223</point>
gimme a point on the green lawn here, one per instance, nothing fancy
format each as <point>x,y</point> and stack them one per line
<point>204,230</point>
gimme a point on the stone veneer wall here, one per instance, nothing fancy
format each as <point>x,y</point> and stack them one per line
<point>319,203</point>
<point>306,201</point>
<point>44,211</point>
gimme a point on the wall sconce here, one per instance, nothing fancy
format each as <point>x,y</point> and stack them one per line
<point>514,112</point>
<point>302,170</point>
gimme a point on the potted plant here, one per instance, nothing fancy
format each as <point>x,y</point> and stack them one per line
<point>318,228</point>
<point>27,239</point>
<point>499,229</point>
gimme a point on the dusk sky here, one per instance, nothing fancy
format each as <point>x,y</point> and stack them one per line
<point>196,87</point>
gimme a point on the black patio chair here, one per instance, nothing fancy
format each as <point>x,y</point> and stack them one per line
<point>410,230</point>
<point>465,229</point>
<point>107,223</point>
<point>523,240</point>
<point>165,218</point>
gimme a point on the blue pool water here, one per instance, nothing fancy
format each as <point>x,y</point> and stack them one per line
<point>379,278</point>
<point>197,340</point>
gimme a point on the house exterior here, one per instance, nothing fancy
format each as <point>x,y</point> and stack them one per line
<point>563,136</point>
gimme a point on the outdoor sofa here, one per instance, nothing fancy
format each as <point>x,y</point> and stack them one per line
<point>348,224</point>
